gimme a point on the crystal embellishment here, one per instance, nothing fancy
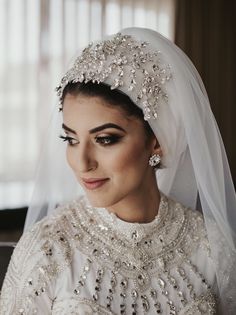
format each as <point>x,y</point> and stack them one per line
<point>123,63</point>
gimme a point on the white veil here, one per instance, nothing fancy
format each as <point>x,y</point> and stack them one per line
<point>196,171</point>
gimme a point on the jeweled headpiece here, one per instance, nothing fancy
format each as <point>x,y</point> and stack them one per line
<point>126,64</point>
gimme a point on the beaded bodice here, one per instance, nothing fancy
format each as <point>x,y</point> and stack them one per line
<point>85,260</point>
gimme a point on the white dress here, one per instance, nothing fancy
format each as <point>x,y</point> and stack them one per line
<point>83,260</point>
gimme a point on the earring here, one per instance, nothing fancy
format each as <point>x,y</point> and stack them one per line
<point>154,160</point>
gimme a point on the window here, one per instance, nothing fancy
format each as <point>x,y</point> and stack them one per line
<point>39,38</point>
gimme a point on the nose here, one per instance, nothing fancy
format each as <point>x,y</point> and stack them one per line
<point>82,159</point>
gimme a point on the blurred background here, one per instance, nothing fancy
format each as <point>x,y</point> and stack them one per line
<point>38,40</point>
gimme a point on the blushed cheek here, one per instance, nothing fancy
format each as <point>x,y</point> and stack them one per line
<point>129,160</point>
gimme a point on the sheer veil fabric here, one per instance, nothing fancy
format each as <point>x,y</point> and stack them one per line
<point>195,168</point>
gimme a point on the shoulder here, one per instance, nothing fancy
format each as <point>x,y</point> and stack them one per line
<point>53,235</point>
<point>37,261</point>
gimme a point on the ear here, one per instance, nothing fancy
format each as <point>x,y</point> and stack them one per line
<point>156,148</point>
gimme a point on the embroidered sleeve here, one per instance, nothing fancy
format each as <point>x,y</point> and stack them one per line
<point>37,261</point>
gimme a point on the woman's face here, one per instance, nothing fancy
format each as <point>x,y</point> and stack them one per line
<point>107,150</point>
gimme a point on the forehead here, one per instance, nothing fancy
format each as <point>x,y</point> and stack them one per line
<point>89,111</point>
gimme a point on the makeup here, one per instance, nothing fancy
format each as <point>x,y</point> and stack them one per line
<point>93,183</point>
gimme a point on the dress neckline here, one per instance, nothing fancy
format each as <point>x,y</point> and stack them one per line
<point>110,216</point>
<point>133,230</point>
<point>172,231</point>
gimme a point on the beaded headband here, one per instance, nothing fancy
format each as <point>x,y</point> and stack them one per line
<point>126,64</point>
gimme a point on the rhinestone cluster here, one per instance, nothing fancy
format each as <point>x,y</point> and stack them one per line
<point>123,63</point>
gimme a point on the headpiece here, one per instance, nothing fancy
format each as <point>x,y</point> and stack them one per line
<point>125,63</point>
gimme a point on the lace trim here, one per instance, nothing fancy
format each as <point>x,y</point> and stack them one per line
<point>126,229</point>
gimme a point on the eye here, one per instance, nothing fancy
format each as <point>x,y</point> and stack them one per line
<point>107,140</point>
<point>69,140</point>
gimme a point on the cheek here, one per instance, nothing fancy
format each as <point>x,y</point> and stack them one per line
<point>130,159</point>
<point>70,158</point>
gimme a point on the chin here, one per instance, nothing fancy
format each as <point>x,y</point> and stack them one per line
<point>101,201</point>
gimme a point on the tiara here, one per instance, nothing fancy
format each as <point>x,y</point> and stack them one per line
<point>126,64</point>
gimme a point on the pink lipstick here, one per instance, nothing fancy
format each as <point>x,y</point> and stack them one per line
<point>94,183</point>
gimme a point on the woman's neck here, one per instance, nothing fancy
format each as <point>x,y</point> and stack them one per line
<point>141,206</point>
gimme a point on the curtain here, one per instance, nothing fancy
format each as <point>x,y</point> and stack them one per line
<point>39,38</point>
<point>206,31</point>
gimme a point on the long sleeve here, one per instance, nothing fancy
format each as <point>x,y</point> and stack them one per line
<point>29,284</point>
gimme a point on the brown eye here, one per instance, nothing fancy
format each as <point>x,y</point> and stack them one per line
<point>107,140</point>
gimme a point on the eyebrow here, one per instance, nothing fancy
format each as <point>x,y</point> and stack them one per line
<point>96,129</point>
<point>68,129</point>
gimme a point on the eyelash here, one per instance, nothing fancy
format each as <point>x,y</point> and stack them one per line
<point>68,139</point>
<point>107,140</point>
<point>104,141</point>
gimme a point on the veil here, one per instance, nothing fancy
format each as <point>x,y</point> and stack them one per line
<point>195,173</point>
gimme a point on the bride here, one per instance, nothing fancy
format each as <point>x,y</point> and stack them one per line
<point>143,221</point>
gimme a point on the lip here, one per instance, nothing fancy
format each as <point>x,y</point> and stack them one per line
<point>94,183</point>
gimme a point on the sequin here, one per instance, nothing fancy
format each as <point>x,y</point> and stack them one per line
<point>145,303</point>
